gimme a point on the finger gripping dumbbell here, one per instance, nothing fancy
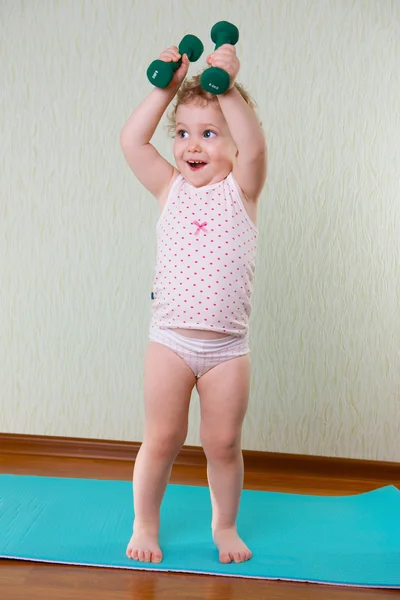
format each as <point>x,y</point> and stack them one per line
<point>213,79</point>
<point>160,73</point>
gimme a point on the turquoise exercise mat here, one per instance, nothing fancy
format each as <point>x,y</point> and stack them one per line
<point>348,540</point>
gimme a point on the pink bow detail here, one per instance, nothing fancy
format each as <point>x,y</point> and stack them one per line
<point>199,226</point>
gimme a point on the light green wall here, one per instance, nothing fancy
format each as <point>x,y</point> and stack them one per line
<point>77,240</point>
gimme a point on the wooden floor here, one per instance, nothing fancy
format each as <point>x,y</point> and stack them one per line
<point>34,581</point>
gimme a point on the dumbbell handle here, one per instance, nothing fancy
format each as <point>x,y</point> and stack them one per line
<point>160,72</point>
<point>222,39</point>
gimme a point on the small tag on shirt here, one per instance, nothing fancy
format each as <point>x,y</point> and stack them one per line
<point>152,295</point>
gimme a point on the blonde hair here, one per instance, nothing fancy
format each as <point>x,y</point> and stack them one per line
<point>191,91</point>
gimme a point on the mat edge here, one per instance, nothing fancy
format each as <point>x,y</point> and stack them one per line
<point>190,572</point>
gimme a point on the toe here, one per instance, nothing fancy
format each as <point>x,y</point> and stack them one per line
<point>236,557</point>
<point>225,558</point>
<point>157,557</point>
<point>141,555</point>
<point>131,553</point>
<point>135,554</point>
<point>147,556</point>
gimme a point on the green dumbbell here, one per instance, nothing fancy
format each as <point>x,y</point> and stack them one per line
<point>160,73</point>
<point>214,80</point>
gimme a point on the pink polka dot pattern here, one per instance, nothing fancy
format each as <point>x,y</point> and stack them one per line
<point>206,251</point>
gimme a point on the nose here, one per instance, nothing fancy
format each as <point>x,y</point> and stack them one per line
<point>194,145</point>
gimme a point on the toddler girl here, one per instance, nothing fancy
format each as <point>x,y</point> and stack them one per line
<point>206,250</point>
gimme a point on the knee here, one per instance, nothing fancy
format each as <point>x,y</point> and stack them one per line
<point>165,445</point>
<point>223,446</point>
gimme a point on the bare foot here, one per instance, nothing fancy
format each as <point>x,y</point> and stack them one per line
<point>230,546</point>
<point>143,546</point>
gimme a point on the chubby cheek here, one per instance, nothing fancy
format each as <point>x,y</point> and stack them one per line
<point>220,153</point>
<point>221,159</point>
<point>175,148</point>
<point>177,154</point>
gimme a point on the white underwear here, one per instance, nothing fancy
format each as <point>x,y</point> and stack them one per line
<point>201,355</point>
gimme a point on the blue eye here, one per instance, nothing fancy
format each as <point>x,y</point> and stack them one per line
<point>181,133</point>
<point>210,132</point>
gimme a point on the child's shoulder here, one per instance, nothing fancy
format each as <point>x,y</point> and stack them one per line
<point>250,206</point>
<point>163,199</point>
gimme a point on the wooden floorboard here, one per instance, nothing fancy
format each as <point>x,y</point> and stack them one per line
<point>36,581</point>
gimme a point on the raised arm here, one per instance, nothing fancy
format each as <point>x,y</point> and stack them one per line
<point>150,168</point>
<point>250,168</point>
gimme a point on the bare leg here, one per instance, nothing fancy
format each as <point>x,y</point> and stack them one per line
<point>224,394</point>
<point>168,386</point>
<point>150,480</point>
<point>225,478</point>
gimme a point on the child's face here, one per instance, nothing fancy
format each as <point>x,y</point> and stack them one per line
<point>202,134</point>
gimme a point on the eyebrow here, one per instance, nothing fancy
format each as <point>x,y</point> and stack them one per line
<point>200,125</point>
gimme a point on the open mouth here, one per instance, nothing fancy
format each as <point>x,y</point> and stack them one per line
<point>196,165</point>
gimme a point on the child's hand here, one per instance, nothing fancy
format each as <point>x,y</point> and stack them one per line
<point>225,58</point>
<point>172,55</point>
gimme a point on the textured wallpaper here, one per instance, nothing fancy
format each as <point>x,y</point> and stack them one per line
<point>77,238</point>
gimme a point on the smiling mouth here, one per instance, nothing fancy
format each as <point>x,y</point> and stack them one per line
<point>196,165</point>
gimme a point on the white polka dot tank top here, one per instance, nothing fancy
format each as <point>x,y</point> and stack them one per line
<point>206,252</point>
